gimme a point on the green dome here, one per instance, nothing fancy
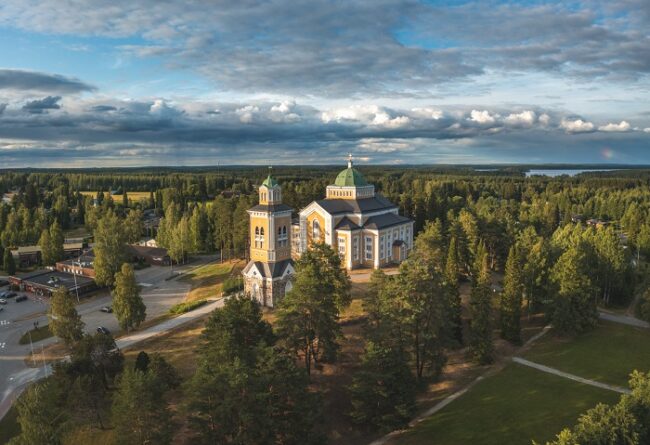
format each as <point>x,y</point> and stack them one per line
<point>350,177</point>
<point>270,181</point>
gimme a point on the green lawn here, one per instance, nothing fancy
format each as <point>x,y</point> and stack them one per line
<point>513,407</point>
<point>39,334</point>
<point>207,280</point>
<point>607,354</point>
<point>9,425</point>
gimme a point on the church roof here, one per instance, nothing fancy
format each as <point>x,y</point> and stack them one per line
<point>336,206</point>
<point>350,177</point>
<point>384,221</point>
<point>269,270</point>
<point>346,224</point>
<point>270,181</point>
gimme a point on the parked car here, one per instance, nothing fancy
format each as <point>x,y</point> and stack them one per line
<point>3,301</point>
<point>11,295</point>
<point>21,298</point>
<point>107,309</point>
<point>103,330</point>
<point>3,283</point>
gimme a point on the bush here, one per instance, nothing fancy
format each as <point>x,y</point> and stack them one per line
<point>181,308</point>
<point>233,284</point>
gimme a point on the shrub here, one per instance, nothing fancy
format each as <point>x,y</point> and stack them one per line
<point>181,308</point>
<point>233,284</point>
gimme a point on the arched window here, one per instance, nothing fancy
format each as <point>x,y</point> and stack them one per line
<point>283,239</point>
<point>257,237</point>
<point>261,237</point>
<point>315,230</point>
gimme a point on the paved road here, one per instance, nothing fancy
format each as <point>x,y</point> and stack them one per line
<point>566,375</point>
<point>17,318</point>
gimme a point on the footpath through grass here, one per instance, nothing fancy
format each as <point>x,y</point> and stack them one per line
<point>608,354</point>
<point>515,406</point>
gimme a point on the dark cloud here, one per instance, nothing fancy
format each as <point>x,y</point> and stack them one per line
<point>39,106</point>
<point>30,80</point>
<point>3,107</point>
<point>167,132</point>
<point>102,108</point>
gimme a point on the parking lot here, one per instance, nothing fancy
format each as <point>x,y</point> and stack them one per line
<point>16,319</point>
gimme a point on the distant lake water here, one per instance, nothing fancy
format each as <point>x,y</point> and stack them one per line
<point>559,172</point>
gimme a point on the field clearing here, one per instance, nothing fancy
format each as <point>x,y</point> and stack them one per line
<point>207,281</point>
<point>134,196</point>
<point>607,354</point>
<point>515,406</point>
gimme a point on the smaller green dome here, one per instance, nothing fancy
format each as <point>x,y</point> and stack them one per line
<point>270,181</point>
<point>350,177</point>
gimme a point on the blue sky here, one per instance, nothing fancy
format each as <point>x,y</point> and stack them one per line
<point>154,82</point>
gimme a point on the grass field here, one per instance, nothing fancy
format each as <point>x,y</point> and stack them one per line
<point>607,354</point>
<point>134,196</point>
<point>513,407</point>
<point>9,426</point>
<point>207,280</point>
<point>39,334</point>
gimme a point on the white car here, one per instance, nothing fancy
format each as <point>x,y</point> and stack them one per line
<point>3,301</point>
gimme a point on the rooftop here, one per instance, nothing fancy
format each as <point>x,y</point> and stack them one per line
<point>350,177</point>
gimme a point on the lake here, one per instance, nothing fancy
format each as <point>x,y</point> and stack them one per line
<point>559,172</point>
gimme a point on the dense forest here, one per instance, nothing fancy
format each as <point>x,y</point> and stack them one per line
<point>555,247</point>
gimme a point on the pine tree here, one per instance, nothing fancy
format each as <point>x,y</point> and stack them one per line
<point>133,227</point>
<point>9,264</point>
<point>139,412</point>
<point>481,344</point>
<point>64,321</point>
<point>308,315</point>
<point>41,415</point>
<point>383,390</point>
<point>56,240</point>
<point>109,249</point>
<point>129,308</point>
<point>452,271</point>
<point>574,307</point>
<point>142,362</point>
<point>45,243</point>
<point>511,298</point>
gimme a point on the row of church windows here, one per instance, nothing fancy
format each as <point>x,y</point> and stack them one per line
<point>283,237</point>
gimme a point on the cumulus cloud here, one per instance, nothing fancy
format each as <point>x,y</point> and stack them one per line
<point>11,79</point>
<point>647,130</point>
<point>525,118</point>
<point>482,117</point>
<point>183,132</point>
<point>621,127</point>
<point>577,126</point>
<point>39,106</point>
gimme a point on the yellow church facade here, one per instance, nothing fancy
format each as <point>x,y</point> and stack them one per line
<point>360,224</point>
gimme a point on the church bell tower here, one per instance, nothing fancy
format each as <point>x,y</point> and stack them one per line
<point>268,274</point>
